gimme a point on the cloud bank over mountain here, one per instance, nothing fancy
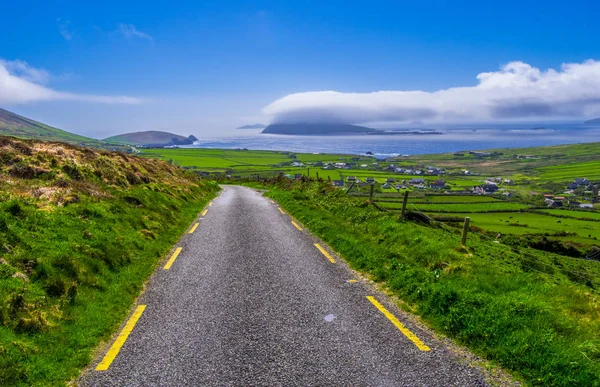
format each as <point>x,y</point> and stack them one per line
<point>516,91</point>
<point>21,83</point>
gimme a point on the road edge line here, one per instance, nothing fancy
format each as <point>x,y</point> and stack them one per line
<point>407,332</point>
<point>115,348</point>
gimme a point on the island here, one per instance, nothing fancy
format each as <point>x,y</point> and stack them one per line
<point>317,129</point>
<point>151,138</point>
<point>253,126</point>
<point>593,121</point>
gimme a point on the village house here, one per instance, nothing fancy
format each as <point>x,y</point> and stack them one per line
<point>337,183</point>
<point>485,189</point>
<point>386,186</point>
<point>438,184</point>
<point>416,181</point>
<point>554,203</point>
<point>370,180</point>
<point>390,180</point>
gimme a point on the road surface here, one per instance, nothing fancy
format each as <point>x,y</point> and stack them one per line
<point>249,300</point>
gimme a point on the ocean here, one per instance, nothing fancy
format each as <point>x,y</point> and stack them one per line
<point>451,139</point>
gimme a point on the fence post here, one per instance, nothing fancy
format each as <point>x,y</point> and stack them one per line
<point>329,178</point>
<point>317,175</point>
<point>371,193</point>
<point>349,188</point>
<point>308,171</point>
<point>404,202</point>
<point>465,231</point>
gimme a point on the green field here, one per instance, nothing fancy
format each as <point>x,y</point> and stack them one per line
<point>547,170</point>
<point>456,199</point>
<point>589,170</point>
<point>245,160</point>
<point>520,223</point>
<point>450,208</point>
<point>575,214</point>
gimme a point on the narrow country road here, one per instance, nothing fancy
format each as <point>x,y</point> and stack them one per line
<point>251,301</point>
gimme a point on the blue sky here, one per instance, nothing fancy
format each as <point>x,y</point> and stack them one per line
<point>205,67</point>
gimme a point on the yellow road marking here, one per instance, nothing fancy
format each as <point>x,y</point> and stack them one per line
<point>210,204</point>
<point>411,336</point>
<point>352,281</point>
<point>194,227</point>
<point>172,259</point>
<point>325,253</point>
<point>272,202</point>
<point>116,347</point>
<point>296,225</point>
<point>204,212</point>
<point>280,210</point>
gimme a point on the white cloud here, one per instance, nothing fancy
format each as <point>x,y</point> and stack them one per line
<point>129,31</point>
<point>516,91</point>
<point>21,69</point>
<point>20,83</point>
<point>64,28</point>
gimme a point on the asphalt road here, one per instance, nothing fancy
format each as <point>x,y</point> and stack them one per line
<point>250,301</point>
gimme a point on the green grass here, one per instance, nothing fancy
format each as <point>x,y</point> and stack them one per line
<point>462,207</point>
<point>242,161</point>
<point>520,223</point>
<point>574,214</point>
<point>589,170</point>
<point>456,199</point>
<point>530,313</point>
<point>83,238</point>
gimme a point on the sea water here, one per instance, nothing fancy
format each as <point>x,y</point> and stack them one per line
<point>452,139</point>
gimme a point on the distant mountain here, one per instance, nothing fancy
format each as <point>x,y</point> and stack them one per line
<point>12,124</point>
<point>317,129</point>
<point>151,138</point>
<point>593,121</point>
<point>253,126</point>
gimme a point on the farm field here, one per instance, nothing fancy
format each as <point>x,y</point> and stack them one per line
<point>223,159</point>
<point>589,170</point>
<point>575,214</point>
<point>456,199</point>
<point>463,207</point>
<point>519,223</point>
<point>533,171</point>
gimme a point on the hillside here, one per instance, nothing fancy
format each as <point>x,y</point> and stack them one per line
<point>593,121</point>
<point>316,129</point>
<point>12,124</point>
<point>80,232</point>
<point>151,138</point>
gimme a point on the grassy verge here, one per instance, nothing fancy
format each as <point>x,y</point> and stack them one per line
<point>80,232</point>
<point>536,315</point>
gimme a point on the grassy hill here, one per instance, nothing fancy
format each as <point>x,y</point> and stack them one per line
<point>151,138</point>
<point>12,124</point>
<point>80,232</point>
